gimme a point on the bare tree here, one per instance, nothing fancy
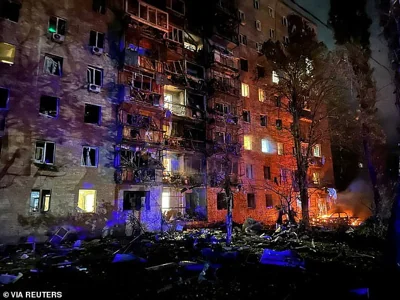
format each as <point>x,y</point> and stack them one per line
<point>309,82</point>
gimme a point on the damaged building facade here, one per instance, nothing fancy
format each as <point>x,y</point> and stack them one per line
<point>146,105</point>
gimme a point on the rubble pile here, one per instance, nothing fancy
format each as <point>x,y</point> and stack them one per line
<point>192,263</point>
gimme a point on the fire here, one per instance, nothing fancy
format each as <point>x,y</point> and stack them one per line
<point>336,218</point>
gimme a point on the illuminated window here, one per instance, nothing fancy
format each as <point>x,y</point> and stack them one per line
<point>87,200</point>
<point>266,146</point>
<point>7,53</point>
<point>280,148</point>
<point>258,25</point>
<point>261,95</point>
<point>165,203</point>
<point>317,150</point>
<point>275,78</point>
<point>247,142</point>
<point>40,201</point>
<point>175,35</point>
<point>245,90</point>
<point>315,177</point>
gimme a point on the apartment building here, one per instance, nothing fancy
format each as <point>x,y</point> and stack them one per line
<point>57,112</point>
<point>148,111</point>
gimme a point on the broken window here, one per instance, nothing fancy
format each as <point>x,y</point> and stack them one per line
<point>286,39</point>
<point>263,120</point>
<point>4,96</point>
<point>244,64</point>
<point>10,10</point>
<point>271,12</point>
<point>275,77</point>
<point>243,39</point>
<point>89,156</point>
<point>87,201</point>
<point>279,124</point>
<point>242,17</point>
<point>53,64</point>
<point>194,70</point>
<point>259,47</point>
<point>251,200</point>
<point>142,82</point>
<point>272,33</point>
<point>284,21</point>
<point>245,90</point>
<point>49,106</point>
<point>45,152</point>
<point>175,35</point>
<point>315,178</point>
<point>177,6</point>
<point>57,25</point>
<point>94,76</point>
<point>40,201</point>
<point>99,6</point>
<point>246,116</point>
<point>260,71</point>
<point>134,200</point>
<point>92,114</point>
<point>249,171</point>
<point>220,137</point>
<point>269,203</point>
<point>258,25</point>
<point>267,172</point>
<point>221,201</point>
<point>96,39</point>
<point>256,4</point>
<point>317,150</point>
<point>7,53</point>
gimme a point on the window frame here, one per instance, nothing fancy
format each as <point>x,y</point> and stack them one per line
<point>256,4</point>
<point>169,6</point>
<point>275,77</point>
<point>171,35</point>
<point>319,147</point>
<point>285,21</point>
<point>244,65</point>
<point>258,25</point>
<point>279,148</point>
<point>266,146</point>
<point>271,12</point>
<point>84,203</point>
<point>96,156</point>
<point>7,99</point>
<point>57,106</point>
<point>97,39</point>
<point>263,117</point>
<point>247,120</point>
<point>245,90</point>
<point>42,161</point>
<point>272,33</point>
<point>267,172</point>
<point>251,204</point>
<point>60,64</point>
<point>57,26</point>
<point>99,115</point>
<point>93,75</point>
<point>247,142</point>
<point>41,201</point>
<point>242,17</point>
<point>243,39</point>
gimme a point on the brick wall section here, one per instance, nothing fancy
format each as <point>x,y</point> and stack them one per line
<point>27,82</point>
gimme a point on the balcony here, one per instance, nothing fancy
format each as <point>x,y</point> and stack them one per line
<point>141,135</point>
<point>182,179</point>
<point>147,14</point>
<point>181,143</point>
<point>225,85</point>
<point>133,59</point>
<point>143,97</point>
<point>224,61</point>
<point>316,162</point>
<point>217,179</point>
<point>233,148</point>
<point>138,176</point>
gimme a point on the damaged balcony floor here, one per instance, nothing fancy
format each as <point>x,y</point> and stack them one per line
<point>196,264</point>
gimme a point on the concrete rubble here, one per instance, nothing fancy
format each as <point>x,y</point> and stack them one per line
<point>193,263</point>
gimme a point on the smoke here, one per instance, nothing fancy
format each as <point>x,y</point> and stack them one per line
<point>356,200</point>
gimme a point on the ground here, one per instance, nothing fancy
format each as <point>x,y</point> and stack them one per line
<point>196,264</point>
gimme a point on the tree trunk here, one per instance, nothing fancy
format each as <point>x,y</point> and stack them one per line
<point>373,178</point>
<point>229,198</point>
<point>304,205</point>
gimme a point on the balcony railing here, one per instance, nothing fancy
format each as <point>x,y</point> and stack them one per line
<point>185,111</point>
<point>224,60</point>
<point>217,179</point>
<point>316,162</point>
<point>226,85</point>
<point>179,143</point>
<point>180,178</point>
<point>138,176</point>
<point>141,135</point>
<point>133,59</point>
<point>147,14</point>
<point>223,147</point>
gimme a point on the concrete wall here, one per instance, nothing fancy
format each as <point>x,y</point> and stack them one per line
<point>27,82</point>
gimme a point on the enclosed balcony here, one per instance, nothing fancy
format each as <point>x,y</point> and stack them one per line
<point>131,176</point>
<point>223,60</point>
<point>184,104</point>
<point>133,59</point>
<point>224,84</point>
<point>183,136</point>
<point>183,169</point>
<point>147,14</point>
